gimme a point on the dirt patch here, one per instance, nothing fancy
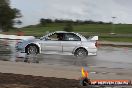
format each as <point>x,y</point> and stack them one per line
<point>14,86</point>
<point>8,80</point>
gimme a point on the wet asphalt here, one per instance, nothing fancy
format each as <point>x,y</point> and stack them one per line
<point>107,57</point>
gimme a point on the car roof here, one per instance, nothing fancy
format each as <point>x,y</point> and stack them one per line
<point>63,32</point>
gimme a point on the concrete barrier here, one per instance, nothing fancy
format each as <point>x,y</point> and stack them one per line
<point>15,37</point>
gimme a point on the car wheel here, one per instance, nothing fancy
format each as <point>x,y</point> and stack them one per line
<point>81,53</point>
<point>32,49</point>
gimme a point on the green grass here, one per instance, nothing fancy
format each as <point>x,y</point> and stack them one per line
<point>96,28</point>
<point>102,30</point>
<point>92,28</point>
<point>40,31</point>
<point>116,39</point>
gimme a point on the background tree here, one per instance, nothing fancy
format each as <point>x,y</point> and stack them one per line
<point>44,21</point>
<point>7,15</point>
<point>68,27</point>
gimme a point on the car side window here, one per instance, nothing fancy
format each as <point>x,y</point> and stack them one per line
<point>53,37</point>
<point>71,37</point>
<point>56,37</point>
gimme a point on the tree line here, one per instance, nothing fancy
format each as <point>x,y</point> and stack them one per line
<point>44,21</point>
<point>69,23</point>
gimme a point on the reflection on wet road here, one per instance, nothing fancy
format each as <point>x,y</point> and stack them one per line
<point>109,57</point>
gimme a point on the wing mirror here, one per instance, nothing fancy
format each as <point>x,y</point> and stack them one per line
<point>47,38</point>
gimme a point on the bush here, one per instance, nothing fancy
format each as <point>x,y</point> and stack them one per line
<point>68,27</point>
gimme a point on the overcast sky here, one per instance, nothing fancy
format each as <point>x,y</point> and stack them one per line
<point>98,10</point>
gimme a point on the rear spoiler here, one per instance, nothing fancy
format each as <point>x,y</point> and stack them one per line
<point>93,38</point>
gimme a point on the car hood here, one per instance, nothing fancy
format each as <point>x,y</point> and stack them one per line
<point>25,42</point>
<point>33,40</point>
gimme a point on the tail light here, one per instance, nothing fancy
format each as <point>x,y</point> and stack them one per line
<point>96,44</point>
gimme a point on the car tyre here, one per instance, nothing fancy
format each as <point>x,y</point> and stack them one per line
<point>81,53</point>
<point>32,50</point>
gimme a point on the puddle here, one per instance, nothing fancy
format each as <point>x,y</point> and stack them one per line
<point>110,57</point>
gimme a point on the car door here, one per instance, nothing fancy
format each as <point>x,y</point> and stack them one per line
<point>70,42</point>
<point>51,44</point>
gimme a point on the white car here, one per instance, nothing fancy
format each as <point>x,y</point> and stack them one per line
<point>60,42</point>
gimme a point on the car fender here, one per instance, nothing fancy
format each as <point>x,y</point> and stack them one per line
<point>86,45</point>
<point>37,44</point>
<point>86,48</point>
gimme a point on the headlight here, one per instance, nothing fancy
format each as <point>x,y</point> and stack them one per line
<point>18,43</point>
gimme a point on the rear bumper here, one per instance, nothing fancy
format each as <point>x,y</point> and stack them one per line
<point>92,51</point>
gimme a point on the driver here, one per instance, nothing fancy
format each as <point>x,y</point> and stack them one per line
<point>60,37</point>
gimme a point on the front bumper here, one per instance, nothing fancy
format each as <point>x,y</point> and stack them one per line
<point>20,49</point>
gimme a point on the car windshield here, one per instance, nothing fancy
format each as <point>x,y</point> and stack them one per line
<point>41,38</point>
